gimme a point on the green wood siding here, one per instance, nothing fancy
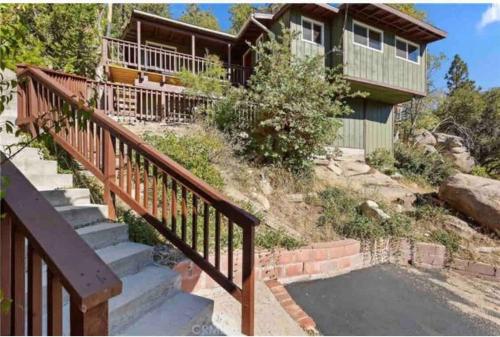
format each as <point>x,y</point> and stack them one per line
<point>379,126</point>
<point>383,67</point>
<point>301,48</point>
<point>351,132</point>
<point>370,129</point>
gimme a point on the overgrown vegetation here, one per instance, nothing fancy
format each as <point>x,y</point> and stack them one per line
<point>293,103</point>
<point>413,163</point>
<point>342,213</point>
<point>447,238</point>
<point>195,152</point>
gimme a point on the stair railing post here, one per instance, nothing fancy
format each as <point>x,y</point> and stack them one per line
<point>109,173</point>
<point>248,284</point>
<point>89,321</point>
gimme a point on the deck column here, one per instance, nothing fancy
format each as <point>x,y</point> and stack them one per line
<point>193,52</point>
<point>139,45</point>
<point>229,72</point>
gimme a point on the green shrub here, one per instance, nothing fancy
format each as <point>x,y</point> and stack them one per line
<point>449,239</point>
<point>194,152</point>
<point>480,171</point>
<point>382,160</point>
<point>340,210</point>
<point>413,162</point>
<point>271,238</point>
<point>139,230</point>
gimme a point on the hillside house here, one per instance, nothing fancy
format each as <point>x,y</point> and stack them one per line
<point>383,52</point>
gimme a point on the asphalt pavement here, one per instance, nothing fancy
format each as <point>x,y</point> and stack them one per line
<point>384,300</point>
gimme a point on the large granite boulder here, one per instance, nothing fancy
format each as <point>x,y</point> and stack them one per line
<point>475,197</point>
<point>423,137</point>
<point>453,148</point>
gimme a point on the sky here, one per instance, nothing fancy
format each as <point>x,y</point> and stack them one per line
<point>473,33</point>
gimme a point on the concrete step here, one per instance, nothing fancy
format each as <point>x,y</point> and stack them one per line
<point>50,181</point>
<point>28,153</point>
<point>67,196</point>
<point>142,292</point>
<point>183,314</point>
<point>126,258</point>
<point>81,215</point>
<point>8,138</point>
<point>104,234</point>
<point>36,166</point>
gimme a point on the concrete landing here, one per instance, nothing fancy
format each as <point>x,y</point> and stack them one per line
<point>270,317</point>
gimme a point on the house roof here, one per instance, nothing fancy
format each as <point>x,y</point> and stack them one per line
<point>392,19</point>
<point>377,14</point>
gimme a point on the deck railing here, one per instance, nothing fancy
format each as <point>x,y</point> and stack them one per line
<point>28,220</point>
<point>148,58</point>
<point>181,207</point>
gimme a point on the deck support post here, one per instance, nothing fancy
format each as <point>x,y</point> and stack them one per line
<point>139,45</point>
<point>229,62</point>
<point>193,52</point>
<point>248,282</point>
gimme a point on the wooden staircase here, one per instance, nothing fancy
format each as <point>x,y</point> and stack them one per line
<point>151,292</point>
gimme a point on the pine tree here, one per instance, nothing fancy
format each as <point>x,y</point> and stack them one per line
<point>123,11</point>
<point>458,76</point>
<point>239,15</point>
<point>196,16</point>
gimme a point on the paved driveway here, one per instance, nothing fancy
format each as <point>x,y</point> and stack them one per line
<point>384,300</point>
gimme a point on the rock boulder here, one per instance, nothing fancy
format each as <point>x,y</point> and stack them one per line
<point>475,197</point>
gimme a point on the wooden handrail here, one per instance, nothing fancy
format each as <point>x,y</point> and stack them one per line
<point>70,262</point>
<point>151,183</point>
<point>169,61</point>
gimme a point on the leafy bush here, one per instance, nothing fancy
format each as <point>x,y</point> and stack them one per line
<point>194,152</point>
<point>414,162</point>
<point>480,171</point>
<point>293,101</point>
<point>449,239</point>
<point>139,230</point>
<point>340,210</point>
<point>271,238</point>
<point>382,160</point>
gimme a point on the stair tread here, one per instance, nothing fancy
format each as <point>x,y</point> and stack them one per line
<point>100,226</point>
<point>136,285</point>
<point>75,207</point>
<point>121,250</point>
<point>177,316</point>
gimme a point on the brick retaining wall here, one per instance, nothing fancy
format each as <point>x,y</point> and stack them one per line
<point>327,259</point>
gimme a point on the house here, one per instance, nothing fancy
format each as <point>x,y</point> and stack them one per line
<point>382,50</point>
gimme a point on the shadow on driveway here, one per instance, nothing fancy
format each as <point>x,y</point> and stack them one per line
<point>384,300</point>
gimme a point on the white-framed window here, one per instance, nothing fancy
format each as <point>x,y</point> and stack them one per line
<point>367,36</point>
<point>407,50</point>
<point>161,45</point>
<point>313,31</point>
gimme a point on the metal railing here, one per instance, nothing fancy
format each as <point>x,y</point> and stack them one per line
<point>29,220</point>
<point>181,207</point>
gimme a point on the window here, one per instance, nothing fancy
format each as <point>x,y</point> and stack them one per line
<point>368,37</point>
<point>312,31</point>
<point>407,50</point>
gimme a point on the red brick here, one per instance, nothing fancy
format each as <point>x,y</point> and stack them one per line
<point>273,284</point>
<point>481,269</point>
<point>336,252</point>
<point>311,267</point>
<point>352,249</point>
<point>344,262</point>
<point>319,254</point>
<point>307,323</point>
<point>287,302</point>
<point>294,269</point>
<point>328,266</point>
<point>282,297</point>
